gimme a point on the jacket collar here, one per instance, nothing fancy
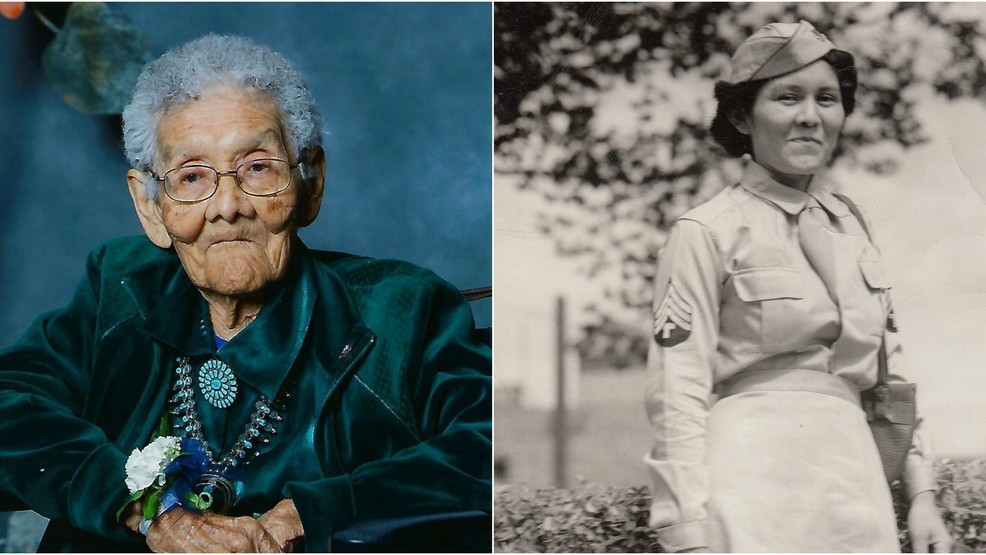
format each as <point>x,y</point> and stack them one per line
<point>263,353</point>
<point>760,183</point>
<point>176,316</point>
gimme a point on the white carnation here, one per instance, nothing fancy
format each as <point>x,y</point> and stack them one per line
<point>147,464</point>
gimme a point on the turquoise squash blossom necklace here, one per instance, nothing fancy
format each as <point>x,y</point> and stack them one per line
<point>220,383</point>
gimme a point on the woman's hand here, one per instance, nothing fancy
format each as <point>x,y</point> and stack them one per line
<point>284,524</point>
<point>132,516</point>
<point>925,525</point>
<point>184,531</point>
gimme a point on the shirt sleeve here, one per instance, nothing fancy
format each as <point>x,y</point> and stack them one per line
<point>51,459</point>
<point>919,471</point>
<point>449,469</point>
<point>681,364</point>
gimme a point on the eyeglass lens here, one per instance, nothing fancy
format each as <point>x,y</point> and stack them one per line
<point>263,176</point>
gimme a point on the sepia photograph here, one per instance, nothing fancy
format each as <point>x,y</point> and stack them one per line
<point>740,275</point>
<point>246,260</point>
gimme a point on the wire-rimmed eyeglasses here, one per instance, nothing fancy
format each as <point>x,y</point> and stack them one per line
<point>259,177</point>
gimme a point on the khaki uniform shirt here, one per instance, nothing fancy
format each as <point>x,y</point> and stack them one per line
<point>735,292</point>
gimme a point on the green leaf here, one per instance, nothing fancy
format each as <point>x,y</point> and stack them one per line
<point>164,427</point>
<point>95,59</point>
<point>133,497</point>
<point>151,504</point>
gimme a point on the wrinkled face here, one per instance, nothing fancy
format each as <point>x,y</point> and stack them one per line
<point>231,243</point>
<point>796,120</point>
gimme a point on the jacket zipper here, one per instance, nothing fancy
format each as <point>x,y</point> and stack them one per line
<point>355,354</point>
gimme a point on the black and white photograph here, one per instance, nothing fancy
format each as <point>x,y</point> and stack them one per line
<point>740,263</point>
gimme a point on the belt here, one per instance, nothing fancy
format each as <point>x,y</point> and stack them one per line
<point>796,379</point>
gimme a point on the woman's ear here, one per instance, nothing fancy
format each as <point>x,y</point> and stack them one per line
<point>148,210</point>
<point>739,119</point>
<point>313,186</point>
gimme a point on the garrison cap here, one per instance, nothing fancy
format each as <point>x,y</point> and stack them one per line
<point>776,49</point>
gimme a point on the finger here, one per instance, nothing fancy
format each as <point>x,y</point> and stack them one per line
<point>942,546</point>
<point>133,522</point>
<point>159,532</point>
<point>267,544</point>
<point>178,530</point>
<point>208,532</point>
<point>283,523</point>
<point>133,516</point>
<point>277,530</point>
<point>919,544</point>
<point>245,534</point>
<point>228,534</point>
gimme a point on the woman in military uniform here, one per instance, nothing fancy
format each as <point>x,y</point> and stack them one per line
<point>769,313</point>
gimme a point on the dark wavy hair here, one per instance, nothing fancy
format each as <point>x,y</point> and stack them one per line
<point>738,99</point>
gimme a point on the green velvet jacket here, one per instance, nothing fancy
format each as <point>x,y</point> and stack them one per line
<point>395,389</point>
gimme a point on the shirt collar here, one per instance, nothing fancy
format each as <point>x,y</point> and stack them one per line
<point>760,183</point>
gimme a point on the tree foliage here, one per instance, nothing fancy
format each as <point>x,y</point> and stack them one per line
<point>603,109</point>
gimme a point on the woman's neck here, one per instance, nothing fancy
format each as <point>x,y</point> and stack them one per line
<point>799,182</point>
<point>229,315</point>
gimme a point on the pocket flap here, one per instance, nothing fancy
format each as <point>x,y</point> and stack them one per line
<point>873,274</point>
<point>891,402</point>
<point>760,284</point>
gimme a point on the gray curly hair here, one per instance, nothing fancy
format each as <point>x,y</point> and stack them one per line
<point>183,73</point>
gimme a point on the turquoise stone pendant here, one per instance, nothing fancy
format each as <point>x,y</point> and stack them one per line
<point>217,383</point>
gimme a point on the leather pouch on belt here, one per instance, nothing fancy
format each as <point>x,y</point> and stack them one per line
<point>892,415</point>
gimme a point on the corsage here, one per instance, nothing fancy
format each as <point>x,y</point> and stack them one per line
<point>162,476</point>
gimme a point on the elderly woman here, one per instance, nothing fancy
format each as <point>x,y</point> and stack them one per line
<point>770,312</point>
<point>293,392</point>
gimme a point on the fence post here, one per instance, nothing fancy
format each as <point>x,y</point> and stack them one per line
<point>561,424</point>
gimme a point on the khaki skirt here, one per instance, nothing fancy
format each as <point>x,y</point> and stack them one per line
<point>796,471</point>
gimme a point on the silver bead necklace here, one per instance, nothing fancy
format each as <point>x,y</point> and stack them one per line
<point>256,433</point>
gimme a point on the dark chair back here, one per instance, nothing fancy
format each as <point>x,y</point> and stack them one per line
<point>462,532</point>
<point>458,532</point>
<point>484,335</point>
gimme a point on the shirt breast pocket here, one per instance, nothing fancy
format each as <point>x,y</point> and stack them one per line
<point>774,292</point>
<point>873,273</point>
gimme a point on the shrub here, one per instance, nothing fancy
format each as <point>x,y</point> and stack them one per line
<point>596,518</point>
<point>589,518</point>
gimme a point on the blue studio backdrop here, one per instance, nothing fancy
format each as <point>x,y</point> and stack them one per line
<point>405,92</point>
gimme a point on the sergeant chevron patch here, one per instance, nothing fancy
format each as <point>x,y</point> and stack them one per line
<point>672,319</point>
